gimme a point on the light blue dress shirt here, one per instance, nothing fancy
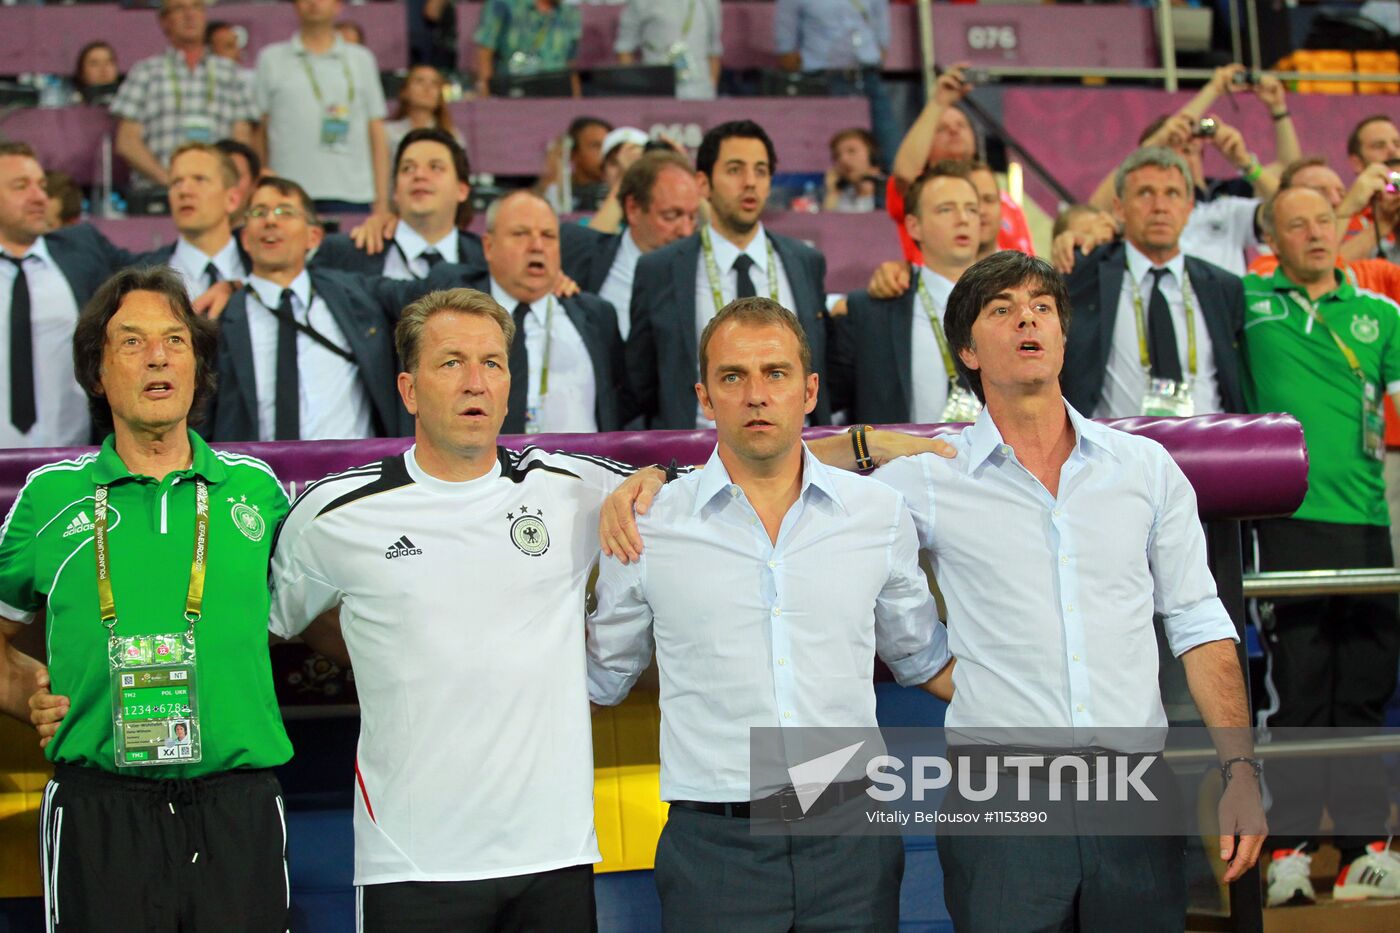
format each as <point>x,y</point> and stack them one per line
<point>832,34</point>
<point>1050,598</point>
<point>753,634</point>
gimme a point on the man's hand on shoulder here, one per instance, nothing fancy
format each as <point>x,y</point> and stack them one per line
<point>617,523</point>
<point>889,280</point>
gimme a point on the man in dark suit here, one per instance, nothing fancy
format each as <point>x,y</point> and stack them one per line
<point>306,354</point>
<point>45,279</point>
<point>678,288</point>
<point>661,200</point>
<point>566,364</point>
<point>890,362</point>
<point>203,198</point>
<point>431,196</point>
<point>1145,314</point>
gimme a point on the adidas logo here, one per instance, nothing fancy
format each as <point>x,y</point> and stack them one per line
<point>79,525</point>
<point>402,548</point>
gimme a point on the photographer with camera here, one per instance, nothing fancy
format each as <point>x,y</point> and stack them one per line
<point>854,183</point>
<point>1225,221</point>
<point>1373,148</point>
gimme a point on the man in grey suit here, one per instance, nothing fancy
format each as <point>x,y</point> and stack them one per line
<point>566,362</point>
<point>679,288</point>
<point>432,199</point>
<point>307,354</point>
<point>661,201</point>
<point>1146,316</point>
<point>904,335</point>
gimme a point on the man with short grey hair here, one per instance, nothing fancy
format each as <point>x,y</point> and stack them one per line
<point>1156,332</point>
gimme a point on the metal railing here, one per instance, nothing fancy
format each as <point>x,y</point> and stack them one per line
<point>1321,582</point>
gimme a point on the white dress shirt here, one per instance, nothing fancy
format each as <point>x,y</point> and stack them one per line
<point>725,254</point>
<point>749,633</point>
<point>1125,383</point>
<point>1050,599</point>
<point>191,262</point>
<point>60,405</point>
<point>404,259</point>
<point>572,403</point>
<point>617,287</point>
<point>1220,230</point>
<point>929,382</point>
<point>333,400</point>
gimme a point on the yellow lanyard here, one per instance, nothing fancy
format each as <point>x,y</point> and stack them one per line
<point>927,301</point>
<point>316,85</point>
<point>1347,351</point>
<point>713,274</point>
<point>544,366</point>
<point>194,598</point>
<point>1143,355</point>
<point>175,85</point>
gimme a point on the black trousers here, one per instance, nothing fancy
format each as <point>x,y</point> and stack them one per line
<point>127,854</point>
<point>1332,662</point>
<point>559,901</point>
<point>1063,884</point>
<point>715,876</point>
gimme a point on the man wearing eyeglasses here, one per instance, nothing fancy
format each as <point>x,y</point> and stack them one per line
<point>307,355</point>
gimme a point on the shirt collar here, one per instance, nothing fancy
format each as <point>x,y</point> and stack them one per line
<point>40,248</point>
<point>726,252</point>
<point>1342,292</point>
<point>337,45</point>
<point>1138,265</point>
<point>270,293</point>
<point>413,244</point>
<point>628,250</point>
<point>939,286</point>
<point>110,468</point>
<point>507,301</point>
<point>984,439</point>
<point>227,260</point>
<point>715,480</point>
<point>177,58</point>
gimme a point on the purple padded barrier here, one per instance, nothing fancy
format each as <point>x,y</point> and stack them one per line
<point>1242,466</point>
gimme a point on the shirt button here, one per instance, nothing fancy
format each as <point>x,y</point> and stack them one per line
<point>787,715</point>
<point>1064,560</point>
<point>772,564</point>
<point>777,611</point>
<point>1075,657</point>
<point>1079,708</point>
<point>782,661</point>
<point>1005,450</point>
<point>734,491</point>
<point>1056,513</point>
<point>1069,607</point>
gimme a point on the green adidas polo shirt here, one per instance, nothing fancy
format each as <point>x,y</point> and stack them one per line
<point>47,560</point>
<point>1295,366</point>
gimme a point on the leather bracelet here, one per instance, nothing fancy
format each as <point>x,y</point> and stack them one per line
<point>1280,116</point>
<point>1254,763</point>
<point>861,447</point>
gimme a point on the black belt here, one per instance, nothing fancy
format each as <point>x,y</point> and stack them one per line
<point>783,805</point>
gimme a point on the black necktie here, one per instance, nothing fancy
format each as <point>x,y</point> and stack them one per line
<point>745,288</point>
<point>432,257</point>
<point>22,411</point>
<point>211,272</point>
<point>288,402</point>
<point>519,375</point>
<point>1161,333</point>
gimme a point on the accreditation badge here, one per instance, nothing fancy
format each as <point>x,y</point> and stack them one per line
<point>155,715</point>
<point>679,56</point>
<point>335,127</point>
<point>197,128</point>
<point>962,406</point>
<point>1372,420</point>
<point>1168,398</point>
<point>523,63</point>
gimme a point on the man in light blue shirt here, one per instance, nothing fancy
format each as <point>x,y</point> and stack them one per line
<point>847,40</point>
<point>1051,617</point>
<point>768,586</point>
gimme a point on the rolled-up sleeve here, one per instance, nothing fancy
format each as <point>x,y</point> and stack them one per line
<point>909,637</point>
<point>619,631</point>
<point>629,29</point>
<point>785,27</point>
<point>1184,592</point>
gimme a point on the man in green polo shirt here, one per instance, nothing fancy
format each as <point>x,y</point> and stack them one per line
<point>148,560</point>
<point>1326,352</point>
